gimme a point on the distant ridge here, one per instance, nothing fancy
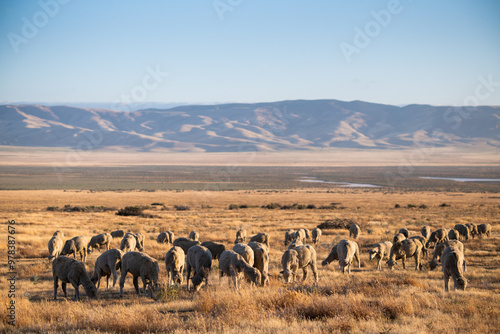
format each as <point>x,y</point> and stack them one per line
<point>235,127</point>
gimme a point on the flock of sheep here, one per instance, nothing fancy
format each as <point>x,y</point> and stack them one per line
<point>189,256</point>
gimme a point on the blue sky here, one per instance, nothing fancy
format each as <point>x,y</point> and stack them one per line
<point>430,52</point>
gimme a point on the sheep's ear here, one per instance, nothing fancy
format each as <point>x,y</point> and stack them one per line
<point>281,272</point>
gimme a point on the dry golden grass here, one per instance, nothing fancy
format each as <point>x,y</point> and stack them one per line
<point>367,301</point>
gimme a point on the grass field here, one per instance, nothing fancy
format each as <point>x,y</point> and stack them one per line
<point>366,301</point>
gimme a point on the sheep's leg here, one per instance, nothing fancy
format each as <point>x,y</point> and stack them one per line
<point>144,284</point>
<point>446,281</point>
<point>188,273</point>
<point>356,255</point>
<point>135,280</point>
<point>84,255</point>
<point>403,259</point>
<point>115,275</point>
<point>315,274</point>
<point>122,281</point>
<point>107,281</point>
<point>77,291</point>
<point>379,266</point>
<point>63,286</point>
<point>56,285</point>
<point>305,274</point>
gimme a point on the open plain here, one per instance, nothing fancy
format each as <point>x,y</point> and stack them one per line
<point>263,200</point>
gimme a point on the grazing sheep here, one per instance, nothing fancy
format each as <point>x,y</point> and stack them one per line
<point>438,251</point>
<point>71,271</point>
<point>405,249</point>
<point>103,239</point>
<point>59,234</point>
<point>214,248</point>
<point>200,259</point>
<point>316,235</point>
<point>300,257</point>
<point>129,243</point>
<point>105,265</point>
<point>118,234</point>
<point>484,229</point>
<point>261,260</point>
<point>289,236</point>
<point>405,232</point>
<point>398,238</point>
<point>452,262</point>
<point>354,231</point>
<point>472,229</point>
<point>453,235</point>
<point>143,265</point>
<point>76,245</point>
<point>232,264</point>
<point>423,241</point>
<point>380,251</point>
<point>295,243</point>
<point>174,263</point>
<point>437,236</point>
<point>241,236</point>
<point>194,235</point>
<point>263,238</point>
<point>462,230</point>
<point>165,237</point>
<point>334,255</point>
<point>305,235</point>
<point>426,232</point>
<point>185,243</point>
<point>246,253</point>
<point>347,250</point>
<point>140,241</point>
<point>55,246</point>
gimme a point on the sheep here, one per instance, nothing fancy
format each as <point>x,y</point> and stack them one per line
<point>316,235</point>
<point>185,243</point>
<point>453,235</point>
<point>426,231</point>
<point>118,234</point>
<point>437,236</point>
<point>76,245</point>
<point>143,265</point>
<point>295,243</point>
<point>405,249</point>
<point>438,251</point>
<point>55,246</point>
<point>232,264</point>
<point>398,238</point>
<point>300,234</point>
<point>263,238</point>
<point>354,231</point>
<point>334,255</point>
<point>289,236</point>
<point>423,241</point>
<point>463,231</point>
<point>129,243</point>
<point>452,262</point>
<point>140,241</point>
<point>304,234</point>
<point>246,253</point>
<point>484,229</point>
<point>194,235</point>
<point>165,237</point>
<point>261,260</point>
<point>71,271</point>
<point>198,258</point>
<point>241,236</point>
<point>472,229</point>
<point>297,258</point>
<point>215,248</point>
<point>404,231</point>
<point>106,264</point>
<point>380,251</point>
<point>99,240</point>
<point>347,250</point>
<point>174,263</point>
<point>59,234</point>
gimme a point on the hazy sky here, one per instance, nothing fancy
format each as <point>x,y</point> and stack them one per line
<point>394,52</point>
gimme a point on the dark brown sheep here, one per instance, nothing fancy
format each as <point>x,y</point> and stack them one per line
<point>198,259</point>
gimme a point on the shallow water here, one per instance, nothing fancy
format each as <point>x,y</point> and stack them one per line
<point>311,179</point>
<point>459,179</point>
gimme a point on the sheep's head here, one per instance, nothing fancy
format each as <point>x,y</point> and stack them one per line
<point>68,248</point>
<point>391,263</point>
<point>325,262</point>
<point>433,264</point>
<point>90,290</point>
<point>372,253</point>
<point>197,282</point>
<point>177,278</point>
<point>90,249</point>
<point>287,275</point>
<point>461,283</point>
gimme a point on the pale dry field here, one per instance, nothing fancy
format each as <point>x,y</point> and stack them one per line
<point>366,301</point>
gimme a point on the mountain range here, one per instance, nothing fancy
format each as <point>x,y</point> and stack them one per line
<point>234,127</point>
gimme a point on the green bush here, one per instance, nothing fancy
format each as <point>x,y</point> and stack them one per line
<point>130,211</point>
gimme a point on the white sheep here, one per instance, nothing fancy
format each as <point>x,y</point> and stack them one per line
<point>193,235</point>
<point>139,265</point>
<point>354,231</point>
<point>405,232</point>
<point>263,238</point>
<point>398,238</point>
<point>426,231</point>
<point>107,264</point>
<point>174,263</point>
<point>347,250</point>
<point>403,250</point>
<point>103,239</point>
<point>380,251</point>
<point>199,259</point>
<point>55,246</point>
<point>76,245</point>
<point>246,253</point>
<point>316,235</point>
<point>439,235</point>
<point>232,264</point>
<point>261,260</point>
<point>165,237</point>
<point>241,236</point>
<point>289,236</point>
<point>440,247</point>
<point>130,243</point>
<point>300,257</point>
<point>295,243</point>
<point>484,229</point>
<point>71,271</point>
<point>452,262</point>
